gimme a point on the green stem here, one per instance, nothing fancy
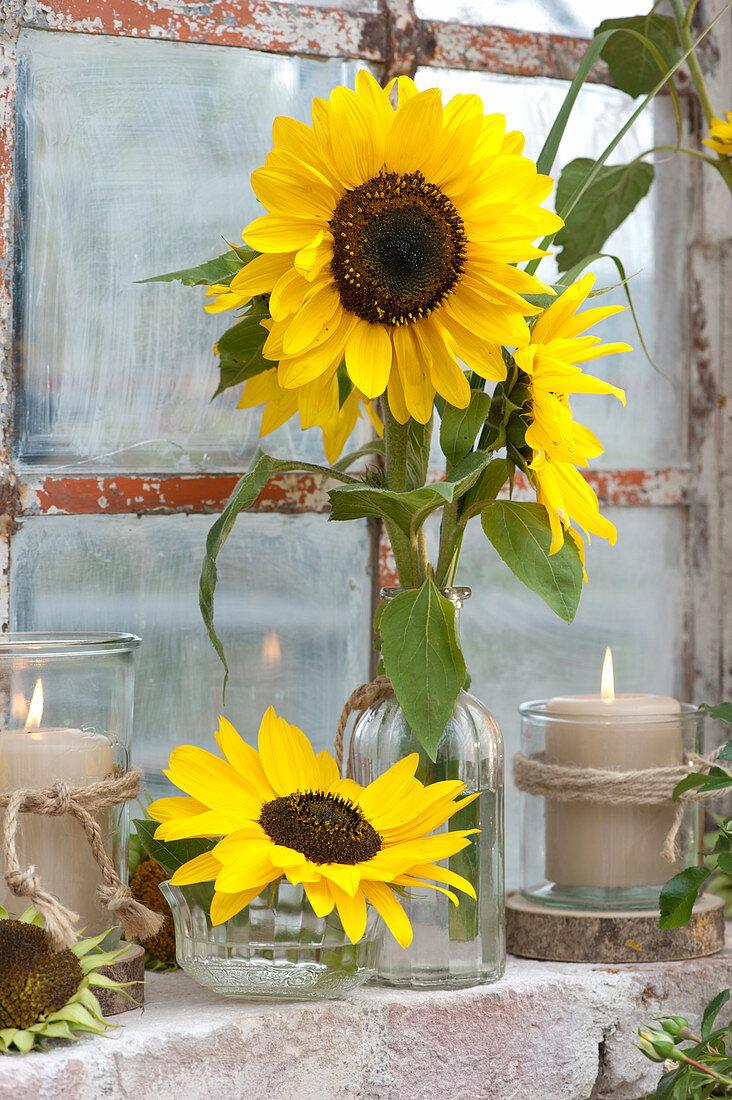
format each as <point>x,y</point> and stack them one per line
<point>448,533</point>
<point>683,25</point>
<point>705,1069</point>
<point>395,442</point>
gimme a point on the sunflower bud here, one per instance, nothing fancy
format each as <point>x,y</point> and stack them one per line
<point>673,1025</point>
<point>657,1045</point>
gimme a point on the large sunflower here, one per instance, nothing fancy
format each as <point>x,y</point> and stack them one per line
<point>558,442</point>
<point>285,811</point>
<point>390,241</point>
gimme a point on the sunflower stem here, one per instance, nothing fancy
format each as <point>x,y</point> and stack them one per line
<point>396,436</point>
<point>683,23</point>
<point>448,538</point>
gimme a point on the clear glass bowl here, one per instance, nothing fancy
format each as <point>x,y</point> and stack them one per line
<point>275,948</point>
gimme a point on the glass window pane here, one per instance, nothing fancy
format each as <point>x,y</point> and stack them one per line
<point>649,431</point>
<point>572,17</point>
<point>136,157</point>
<point>293,610</point>
<point>517,649</point>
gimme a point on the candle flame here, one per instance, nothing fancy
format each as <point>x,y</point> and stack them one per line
<point>607,683</point>
<point>35,711</point>
<point>271,649</point>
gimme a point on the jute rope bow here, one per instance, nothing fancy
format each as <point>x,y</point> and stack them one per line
<point>647,787</point>
<point>359,700</point>
<point>82,803</point>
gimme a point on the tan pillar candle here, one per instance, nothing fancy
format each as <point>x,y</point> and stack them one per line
<point>57,846</point>
<point>595,844</point>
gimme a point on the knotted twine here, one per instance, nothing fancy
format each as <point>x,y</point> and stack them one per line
<point>359,700</point>
<point>82,803</point>
<point>646,787</point>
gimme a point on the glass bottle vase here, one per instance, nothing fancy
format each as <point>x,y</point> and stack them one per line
<point>454,946</point>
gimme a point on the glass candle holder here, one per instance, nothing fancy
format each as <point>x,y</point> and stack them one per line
<point>66,705</point>
<point>589,854</point>
<point>274,948</point>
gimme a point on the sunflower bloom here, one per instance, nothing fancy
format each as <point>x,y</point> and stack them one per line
<point>285,811</point>
<point>720,135</point>
<point>558,442</point>
<point>389,242</point>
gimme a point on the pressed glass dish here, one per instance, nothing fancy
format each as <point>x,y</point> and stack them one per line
<point>275,948</point>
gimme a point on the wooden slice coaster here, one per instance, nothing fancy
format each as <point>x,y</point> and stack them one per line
<point>129,967</point>
<point>610,936</point>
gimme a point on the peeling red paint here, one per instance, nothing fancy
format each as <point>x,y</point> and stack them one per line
<point>388,576</point>
<point>111,495</point>
<point>252,24</point>
<point>197,494</point>
<point>395,38</point>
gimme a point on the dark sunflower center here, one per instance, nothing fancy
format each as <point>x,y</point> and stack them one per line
<point>399,248</point>
<point>324,827</point>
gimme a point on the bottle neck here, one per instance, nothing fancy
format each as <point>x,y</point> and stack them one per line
<point>456,594</point>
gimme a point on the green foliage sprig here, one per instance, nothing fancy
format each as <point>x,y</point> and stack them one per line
<point>699,1071</point>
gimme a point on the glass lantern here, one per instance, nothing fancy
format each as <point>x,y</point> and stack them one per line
<point>66,704</point>
<point>588,854</point>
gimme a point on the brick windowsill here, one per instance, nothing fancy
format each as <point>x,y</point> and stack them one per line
<point>546,1031</point>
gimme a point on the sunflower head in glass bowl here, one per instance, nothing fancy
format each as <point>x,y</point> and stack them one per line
<point>305,868</point>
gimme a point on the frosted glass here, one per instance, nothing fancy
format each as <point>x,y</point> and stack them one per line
<point>649,431</point>
<point>573,17</point>
<point>135,159</point>
<point>517,649</point>
<point>287,583</point>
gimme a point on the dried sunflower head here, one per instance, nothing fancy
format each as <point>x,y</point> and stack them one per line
<point>47,994</point>
<point>144,883</point>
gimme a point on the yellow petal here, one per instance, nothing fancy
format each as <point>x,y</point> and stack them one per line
<point>414,131</point>
<point>368,358</point>
<point>384,902</point>
<point>243,868</point>
<point>243,758</point>
<point>226,906</point>
<point>414,373</point>
<point>343,875</point>
<point>281,232</point>
<point>202,868</point>
<point>315,321</point>
<point>211,780</point>
<point>447,377</point>
<point>166,809</point>
<point>320,897</point>
<point>287,756</point>
<point>329,774</point>
<point>352,911</point>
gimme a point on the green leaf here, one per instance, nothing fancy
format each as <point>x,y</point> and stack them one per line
<point>688,783</point>
<point>220,270</point>
<point>459,427</point>
<point>486,488</point>
<point>240,348</point>
<point>409,510</point>
<point>632,65</point>
<point>419,439</point>
<point>422,656</point>
<point>723,711</point>
<point>170,854</point>
<point>612,195</point>
<point>677,897</point>
<point>521,534</point>
<point>712,1011</point>
<point>245,493</point>
<point>551,145</point>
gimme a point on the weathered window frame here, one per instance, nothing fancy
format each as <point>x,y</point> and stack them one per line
<point>398,42</point>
